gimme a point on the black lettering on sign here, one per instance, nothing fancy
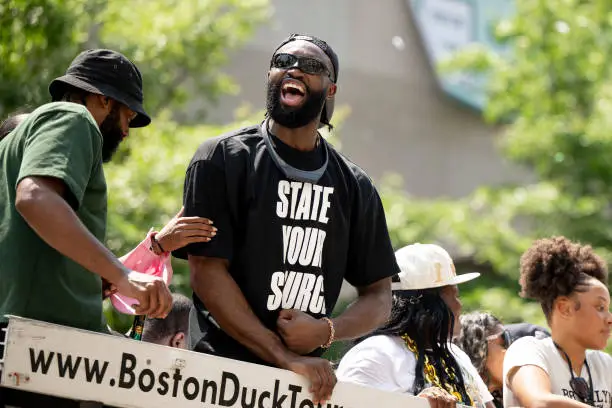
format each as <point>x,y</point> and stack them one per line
<point>146,380</point>
<point>193,382</point>
<point>177,377</point>
<point>93,370</point>
<point>67,365</point>
<point>163,388</point>
<point>263,396</point>
<point>294,391</point>
<point>128,364</point>
<point>229,401</point>
<point>277,402</point>
<point>213,386</point>
<point>252,401</point>
<point>39,361</point>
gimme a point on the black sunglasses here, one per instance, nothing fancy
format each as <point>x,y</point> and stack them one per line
<point>581,388</point>
<point>504,336</point>
<point>307,65</point>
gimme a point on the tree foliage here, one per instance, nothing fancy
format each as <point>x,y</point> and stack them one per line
<point>552,98</point>
<point>180,46</point>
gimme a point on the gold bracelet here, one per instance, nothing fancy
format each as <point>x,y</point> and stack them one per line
<point>332,332</point>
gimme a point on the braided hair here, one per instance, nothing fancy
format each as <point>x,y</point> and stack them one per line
<point>423,316</point>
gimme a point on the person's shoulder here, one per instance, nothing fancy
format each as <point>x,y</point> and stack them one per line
<point>355,171</point>
<point>61,120</point>
<point>602,358</point>
<point>229,144</point>
<point>519,330</point>
<point>69,109</point>
<point>529,341</point>
<point>529,345</point>
<point>392,346</point>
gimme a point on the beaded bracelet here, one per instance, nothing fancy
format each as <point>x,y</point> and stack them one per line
<point>332,333</point>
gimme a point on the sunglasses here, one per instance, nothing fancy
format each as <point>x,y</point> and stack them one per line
<point>307,65</point>
<point>581,388</point>
<point>504,336</point>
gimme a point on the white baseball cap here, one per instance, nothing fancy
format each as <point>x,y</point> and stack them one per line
<point>425,266</point>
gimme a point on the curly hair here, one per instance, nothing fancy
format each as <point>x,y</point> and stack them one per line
<point>555,267</point>
<point>475,328</point>
<point>12,121</point>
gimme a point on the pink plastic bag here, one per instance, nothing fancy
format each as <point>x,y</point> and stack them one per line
<point>141,259</point>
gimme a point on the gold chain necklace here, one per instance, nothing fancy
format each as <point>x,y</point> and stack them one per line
<point>431,375</point>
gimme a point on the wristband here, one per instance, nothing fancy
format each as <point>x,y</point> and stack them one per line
<point>156,242</point>
<point>332,332</point>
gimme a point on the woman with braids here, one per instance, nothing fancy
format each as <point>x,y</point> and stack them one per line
<point>413,352</point>
<point>569,369</point>
<point>485,340</point>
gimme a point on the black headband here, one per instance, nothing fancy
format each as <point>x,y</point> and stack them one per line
<point>319,43</point>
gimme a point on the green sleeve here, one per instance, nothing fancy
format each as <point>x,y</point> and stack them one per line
<point>64,145</point>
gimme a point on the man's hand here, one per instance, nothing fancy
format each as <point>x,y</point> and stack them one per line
<point>182,231</point>
<point>320,374</point>
<point>108,289</point>
<point>301,332</point>
<point>154,298</point>
<point>438,397</point>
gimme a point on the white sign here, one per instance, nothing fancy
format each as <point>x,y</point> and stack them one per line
<point>84,366</point>
<point>447,27</point>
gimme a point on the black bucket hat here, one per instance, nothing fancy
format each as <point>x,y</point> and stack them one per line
<point>108,73</point>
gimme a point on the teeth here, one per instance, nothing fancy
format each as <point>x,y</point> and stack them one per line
<point>295,86</point>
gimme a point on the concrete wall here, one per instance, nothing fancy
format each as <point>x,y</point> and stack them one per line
<point>400,120</point>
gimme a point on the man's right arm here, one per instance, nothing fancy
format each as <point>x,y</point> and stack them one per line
<point>40,201</point>
<point>212,283</point>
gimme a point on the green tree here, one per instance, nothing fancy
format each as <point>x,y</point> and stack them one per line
<point>180,46</point>
<point>38,38</point>
<point>552,99</point>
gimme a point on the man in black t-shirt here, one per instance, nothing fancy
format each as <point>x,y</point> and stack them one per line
<point>294,219</point>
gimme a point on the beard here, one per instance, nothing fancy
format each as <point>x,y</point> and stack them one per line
<point>112,135</point>
<point>294,117</point>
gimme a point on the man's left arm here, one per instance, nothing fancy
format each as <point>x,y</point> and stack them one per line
<point>303,333</point>
<point>369,311</point>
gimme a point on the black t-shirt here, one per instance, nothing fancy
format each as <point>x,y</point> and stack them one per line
<point>290,244</point>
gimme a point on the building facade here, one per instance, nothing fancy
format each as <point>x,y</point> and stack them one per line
<point>400,120</point>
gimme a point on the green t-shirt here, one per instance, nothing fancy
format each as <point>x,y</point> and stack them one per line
<point>59,140</point>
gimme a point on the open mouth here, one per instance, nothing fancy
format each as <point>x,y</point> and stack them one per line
<point>293,92</point>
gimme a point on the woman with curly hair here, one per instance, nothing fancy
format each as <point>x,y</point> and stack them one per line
<point>482,338</point>
<point>485,340</point>
<point>569,369</point>
<point>413,352</point>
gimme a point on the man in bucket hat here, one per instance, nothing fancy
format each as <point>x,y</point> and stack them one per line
<point>53,198</point>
